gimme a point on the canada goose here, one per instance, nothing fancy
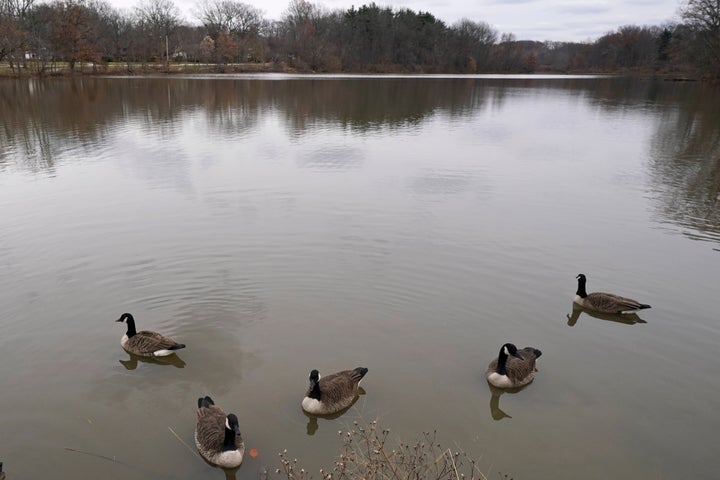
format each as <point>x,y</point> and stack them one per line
<point>217,435</point>
<point>146,343</point>
<point>2,474</point>
<point>331,393</point>
<point>511,368</point>
<point>605,302</point>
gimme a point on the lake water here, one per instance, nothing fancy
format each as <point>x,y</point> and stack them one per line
<point>410,225</point>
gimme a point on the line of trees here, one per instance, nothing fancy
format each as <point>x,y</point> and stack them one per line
<point>311,38</point>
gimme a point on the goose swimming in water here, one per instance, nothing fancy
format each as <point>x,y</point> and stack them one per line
<point>605,302</point>
<point>217,435</point>
<point>146,343</point>
<point>333,392</point>
<point>512,368</point>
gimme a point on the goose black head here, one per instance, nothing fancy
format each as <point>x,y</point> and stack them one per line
<point>125,317</point>
<point>511,351</point>
<point>231,424</point>
<point>130,321</point>
<point>314,378</point>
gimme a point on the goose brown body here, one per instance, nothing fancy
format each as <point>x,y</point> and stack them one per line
<point>512,367</point>
<point>331,393</point>
<point>605,302</point>
<point>146,343</point>
<point>217,435</point>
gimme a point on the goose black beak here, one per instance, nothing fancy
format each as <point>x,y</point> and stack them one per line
<point>517,355</point>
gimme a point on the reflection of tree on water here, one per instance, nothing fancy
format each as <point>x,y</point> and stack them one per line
<point>685,163</point>
<point>626,318</point>
<point>44,118</point>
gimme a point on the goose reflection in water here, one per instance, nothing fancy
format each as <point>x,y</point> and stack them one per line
<point>626,318</point>
<point>312,425</point>
<point>132,362</point>
<point>231,474</point>
<point>495,411</point>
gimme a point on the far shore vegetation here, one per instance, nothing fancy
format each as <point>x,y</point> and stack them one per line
<point>70,37</point>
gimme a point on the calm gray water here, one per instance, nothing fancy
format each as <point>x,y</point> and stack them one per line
<point>409,225</point>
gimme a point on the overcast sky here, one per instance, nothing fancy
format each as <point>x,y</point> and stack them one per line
<point>561,20</point>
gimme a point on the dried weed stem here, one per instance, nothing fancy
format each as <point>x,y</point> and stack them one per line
<point>366,455</point>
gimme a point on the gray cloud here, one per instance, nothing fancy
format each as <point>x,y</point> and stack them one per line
<point>512,2</point>
<point>583,9</point>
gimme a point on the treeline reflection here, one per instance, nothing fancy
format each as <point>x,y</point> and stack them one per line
<point>43,118</point>
<point>79,110</point>
<point>685,162</point>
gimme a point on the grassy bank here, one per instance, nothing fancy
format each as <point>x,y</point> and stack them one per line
<point>123,68</point>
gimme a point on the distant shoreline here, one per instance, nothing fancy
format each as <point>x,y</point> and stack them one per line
<point>61,69</point>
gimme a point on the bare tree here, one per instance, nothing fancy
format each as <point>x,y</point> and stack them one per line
<point>214,16</point>
<point>302,40</point>
<point>158,20</point>
<point>228,17</point>
<point>189,42</point>
<point>473,42</point>
<point>74,34</point>
<point>703,17</point>
<point>16,8</point>
<point>12,39</point>
<point>13,29</point>
<point>117,28</point>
